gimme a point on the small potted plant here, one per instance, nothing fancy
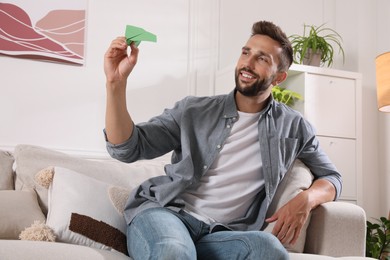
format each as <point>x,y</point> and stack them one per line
<point>315,46</point>
<point>285,96</point>
<point>378,239</point>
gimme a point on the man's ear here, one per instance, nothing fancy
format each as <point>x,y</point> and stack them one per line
<point>280,77</point>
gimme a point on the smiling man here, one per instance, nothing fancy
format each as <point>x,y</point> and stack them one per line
<point>230,152</point>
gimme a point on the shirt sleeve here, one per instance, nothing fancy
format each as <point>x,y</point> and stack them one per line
<point>151,139</point>
<point>122,151</point>
<point>318,161</point>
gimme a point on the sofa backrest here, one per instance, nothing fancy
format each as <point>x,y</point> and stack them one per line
<point>6,171</point>
<point>32,159</point>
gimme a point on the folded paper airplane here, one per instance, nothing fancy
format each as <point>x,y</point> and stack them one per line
<point>136,34</point>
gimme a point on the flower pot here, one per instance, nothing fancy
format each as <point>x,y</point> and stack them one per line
<point>312,58</point>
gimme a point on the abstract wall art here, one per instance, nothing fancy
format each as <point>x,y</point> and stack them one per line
<point>44,30</point>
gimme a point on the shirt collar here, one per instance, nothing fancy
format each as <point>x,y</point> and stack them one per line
<point>230,109</point>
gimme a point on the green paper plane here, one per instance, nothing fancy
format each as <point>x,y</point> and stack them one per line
<point>136,34</point>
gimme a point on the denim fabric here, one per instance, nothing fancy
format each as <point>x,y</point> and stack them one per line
<point>160,233</point>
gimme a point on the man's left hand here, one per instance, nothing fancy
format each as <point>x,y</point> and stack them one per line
<point>290,218</point>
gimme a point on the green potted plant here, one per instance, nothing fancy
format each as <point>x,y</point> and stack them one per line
<point>378,239</point>
<point>285,96</point>
<point>315,46</point>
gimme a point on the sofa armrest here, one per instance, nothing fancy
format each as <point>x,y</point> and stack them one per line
<point>337,229</point>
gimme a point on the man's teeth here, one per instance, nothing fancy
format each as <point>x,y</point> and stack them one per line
<point>247,76</point>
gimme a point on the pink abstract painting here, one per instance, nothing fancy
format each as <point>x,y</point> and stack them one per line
<point>57,36</point>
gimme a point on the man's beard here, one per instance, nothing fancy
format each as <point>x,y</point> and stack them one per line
<point>257,88</point>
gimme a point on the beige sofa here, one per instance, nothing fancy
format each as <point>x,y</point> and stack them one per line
<point>97,189</point>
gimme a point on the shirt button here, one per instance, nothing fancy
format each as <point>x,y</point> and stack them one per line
<point>205,167</point>
<point>219,146</point>
<point>228,126</point>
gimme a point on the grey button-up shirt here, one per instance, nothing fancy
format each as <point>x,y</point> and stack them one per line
<point>195,129</point>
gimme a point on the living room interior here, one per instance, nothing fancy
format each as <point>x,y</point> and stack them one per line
<point>62,106</point>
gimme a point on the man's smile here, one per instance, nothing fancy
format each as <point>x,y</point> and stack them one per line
<point>246,76</point>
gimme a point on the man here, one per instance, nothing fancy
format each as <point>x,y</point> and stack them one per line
<point>229,154</point>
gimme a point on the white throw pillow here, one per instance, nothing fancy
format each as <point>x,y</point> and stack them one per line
<point>83,196</point>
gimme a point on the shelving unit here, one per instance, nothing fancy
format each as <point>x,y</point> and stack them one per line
<point>332,102</point>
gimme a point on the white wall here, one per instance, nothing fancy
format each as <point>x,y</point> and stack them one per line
<point>62,106</point>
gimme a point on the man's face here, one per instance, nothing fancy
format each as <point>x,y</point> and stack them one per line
<point>257,66</point>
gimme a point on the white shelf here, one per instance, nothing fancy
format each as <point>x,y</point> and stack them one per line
<point>332,102</point>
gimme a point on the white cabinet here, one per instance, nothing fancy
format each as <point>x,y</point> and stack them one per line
<point>332,103</point>
<point>342,152</point>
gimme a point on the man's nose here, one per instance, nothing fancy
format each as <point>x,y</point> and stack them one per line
<point>250,62</point>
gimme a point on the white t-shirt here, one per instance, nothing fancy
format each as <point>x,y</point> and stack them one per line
<point>229,187</point>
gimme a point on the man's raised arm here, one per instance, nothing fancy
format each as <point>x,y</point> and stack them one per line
<point>118,65</point>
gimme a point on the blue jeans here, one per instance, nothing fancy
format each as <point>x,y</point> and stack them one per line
<point>160,233</point>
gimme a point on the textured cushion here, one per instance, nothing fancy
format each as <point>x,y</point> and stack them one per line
<point>86,201</point>
<point>32,159</point>
<point>6,171</point>
<point>18,210</point>
<point>297,179</point>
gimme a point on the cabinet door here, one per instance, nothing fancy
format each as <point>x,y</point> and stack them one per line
<point>330,105</point>
<point>342,152</point>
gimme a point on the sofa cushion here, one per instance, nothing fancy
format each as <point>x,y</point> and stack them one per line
<point>18,210</point>
<point>81,203</point>
<point>325,257</point>
<point>297,179</point>
<point>32,159</point>
<point>6,171</point>
<point>33,250</point>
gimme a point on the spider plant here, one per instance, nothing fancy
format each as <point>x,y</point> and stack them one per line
<point>316,40</point>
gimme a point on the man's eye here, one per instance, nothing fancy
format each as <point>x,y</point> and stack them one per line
<point>263,59</point>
